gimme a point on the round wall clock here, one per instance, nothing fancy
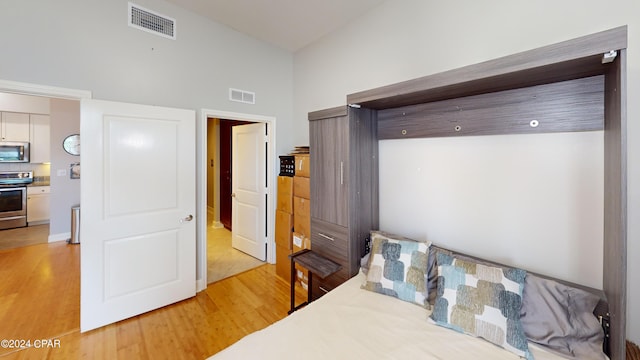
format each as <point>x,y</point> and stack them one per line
<point>71,144</point>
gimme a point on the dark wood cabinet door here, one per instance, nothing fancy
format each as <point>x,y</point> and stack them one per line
<point>342,169</point>
<point>329,144</point>
<point>225,173</point>
<point>344,185</point>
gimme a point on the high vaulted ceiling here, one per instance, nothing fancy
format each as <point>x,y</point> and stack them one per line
<point>290,24</point>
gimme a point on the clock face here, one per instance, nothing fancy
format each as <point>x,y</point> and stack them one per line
<point>71,144</point>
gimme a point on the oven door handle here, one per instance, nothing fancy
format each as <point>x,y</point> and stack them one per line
<point>9,218</point>
<point>7,189</point>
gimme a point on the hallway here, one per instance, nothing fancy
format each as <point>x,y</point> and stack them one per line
<point>223,260</point>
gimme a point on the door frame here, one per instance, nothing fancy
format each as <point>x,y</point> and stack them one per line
<point>201,183</point>
<point>16,87</point>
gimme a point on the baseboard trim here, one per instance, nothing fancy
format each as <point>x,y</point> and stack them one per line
<point>212,223</point>
<point>200,285</point>
<point>60,237</point>
<point>33,223</point>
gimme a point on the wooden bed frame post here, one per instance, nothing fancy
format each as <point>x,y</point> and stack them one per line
<point>615,202</point>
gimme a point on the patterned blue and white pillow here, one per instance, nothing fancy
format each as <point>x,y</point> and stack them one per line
<point>398,267</point>
<point>482,301</point>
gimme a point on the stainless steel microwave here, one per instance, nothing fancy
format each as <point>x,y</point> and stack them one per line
<point>14,152</point>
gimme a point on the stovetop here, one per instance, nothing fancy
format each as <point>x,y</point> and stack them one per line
<point>16,178</point>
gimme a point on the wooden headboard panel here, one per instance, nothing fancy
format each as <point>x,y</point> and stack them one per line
<point>536,109</point>
<point>575,85</point>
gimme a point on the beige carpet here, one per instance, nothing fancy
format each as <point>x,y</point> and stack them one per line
<point>223,260</point>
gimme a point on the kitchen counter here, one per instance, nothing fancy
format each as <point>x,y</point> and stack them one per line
<point>40,181</point>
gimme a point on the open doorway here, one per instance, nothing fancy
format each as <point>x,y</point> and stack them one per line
<point>43,191</point>
<point>225,254</point>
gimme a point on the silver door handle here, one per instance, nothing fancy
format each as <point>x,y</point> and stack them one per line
<point>188,218</point>
<point>326,237</point>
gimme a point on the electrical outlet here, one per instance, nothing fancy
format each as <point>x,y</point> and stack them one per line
<point>61,172</point>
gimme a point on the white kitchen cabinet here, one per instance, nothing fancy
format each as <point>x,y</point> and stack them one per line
<point>14,127</point>
<point>40,142</point>
<point>38,204</point>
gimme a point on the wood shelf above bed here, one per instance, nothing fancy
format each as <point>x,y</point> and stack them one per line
<point>571,59</point>
<point>558,71</point>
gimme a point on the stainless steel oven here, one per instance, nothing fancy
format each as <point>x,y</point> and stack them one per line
<point>13,198</point>
<point>13,207</point>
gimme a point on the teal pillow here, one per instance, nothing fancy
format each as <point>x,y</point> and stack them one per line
<point>482,301</point>
<point>398,267</point>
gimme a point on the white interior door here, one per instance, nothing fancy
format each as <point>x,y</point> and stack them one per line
<point>249,189</point>
<point>137,223</point>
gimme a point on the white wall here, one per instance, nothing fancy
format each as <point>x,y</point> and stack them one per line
<point>65,192</point>
<point>502,197</point>
<point>86,44</point>
<point>549,220</point>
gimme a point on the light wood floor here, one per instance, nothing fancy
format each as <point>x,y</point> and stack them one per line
<point>24,236</point>
<point>39,299</point>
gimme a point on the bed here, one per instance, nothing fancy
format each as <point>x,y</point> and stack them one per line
<point>362,318</point>
<point>350,322</point>
<point>355,323</point>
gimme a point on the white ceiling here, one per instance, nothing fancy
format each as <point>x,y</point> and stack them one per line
<point>290,24</point>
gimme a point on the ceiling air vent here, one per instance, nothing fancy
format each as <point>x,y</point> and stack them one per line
<point>242,96</point>
<point>149,21</point>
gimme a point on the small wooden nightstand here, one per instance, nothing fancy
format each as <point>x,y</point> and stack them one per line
<point>316,265</point>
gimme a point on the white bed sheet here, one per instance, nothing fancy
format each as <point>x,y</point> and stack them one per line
<point>351,323</point>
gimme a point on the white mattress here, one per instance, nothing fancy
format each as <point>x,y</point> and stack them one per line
<point>353,323</point>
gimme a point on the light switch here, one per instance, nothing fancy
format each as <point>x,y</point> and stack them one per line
<point>61,172</point>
